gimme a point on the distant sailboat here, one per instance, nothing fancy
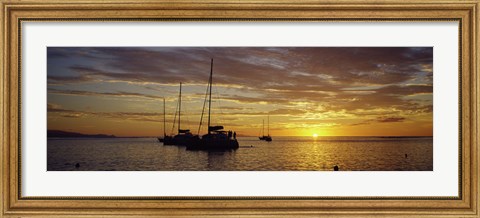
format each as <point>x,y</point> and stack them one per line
<point>267,137</point>
<point>216,138</point>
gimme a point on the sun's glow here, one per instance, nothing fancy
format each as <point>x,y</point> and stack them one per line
<point>315,135</point>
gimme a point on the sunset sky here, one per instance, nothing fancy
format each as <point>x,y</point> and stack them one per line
<point>329,91</point>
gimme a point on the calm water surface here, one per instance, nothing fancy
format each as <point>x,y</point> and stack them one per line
<point>282,154</point>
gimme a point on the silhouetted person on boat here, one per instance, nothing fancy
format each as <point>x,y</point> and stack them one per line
<point>230,134</point>
<point>235,135</point>
<point>335,168</point>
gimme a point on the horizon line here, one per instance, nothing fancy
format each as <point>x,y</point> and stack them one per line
<point>240,135</point>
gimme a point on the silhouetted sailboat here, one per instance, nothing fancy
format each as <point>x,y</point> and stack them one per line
<point>267,137</point>
<point>183,135</point>
<point>216,138</point>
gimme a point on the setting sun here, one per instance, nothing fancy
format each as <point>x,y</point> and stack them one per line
<point>315,135</point>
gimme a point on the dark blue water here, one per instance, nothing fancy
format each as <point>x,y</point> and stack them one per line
<point>282,154</point>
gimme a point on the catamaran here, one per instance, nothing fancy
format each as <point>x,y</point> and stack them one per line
<point>216,138</point>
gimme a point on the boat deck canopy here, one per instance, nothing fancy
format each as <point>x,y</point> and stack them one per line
<point>214,128</point>
<point>183,130</point>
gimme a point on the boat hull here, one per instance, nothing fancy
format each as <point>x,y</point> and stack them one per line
<point>180,140</point>
<point>184,140</point>
<point>213,143</point>
<point>168,140</point>
<point>265,138</point>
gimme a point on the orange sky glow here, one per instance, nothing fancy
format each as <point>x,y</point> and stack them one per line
<point>328,91</point>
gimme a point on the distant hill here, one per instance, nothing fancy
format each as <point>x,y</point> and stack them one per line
<point>65,134</point>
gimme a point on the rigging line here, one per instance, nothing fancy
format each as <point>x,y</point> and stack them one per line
<point>219,106</point>
<point>263,127</point>
<point>268,124</point>
<point>174,119</point>
<point>164,121</point>
<point>186,116</point>
<point>203,110</point>
<point>259,132</point>
<point>179,106</point>
<point>210,95</point>
<point>185,113</point>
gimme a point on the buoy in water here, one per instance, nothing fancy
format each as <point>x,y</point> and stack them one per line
<point>77,165</point>
<point>335,168</point>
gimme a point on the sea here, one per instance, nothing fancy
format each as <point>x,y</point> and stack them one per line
<point>281,154</point>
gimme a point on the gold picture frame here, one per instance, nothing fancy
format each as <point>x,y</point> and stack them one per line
<point>14,12</point>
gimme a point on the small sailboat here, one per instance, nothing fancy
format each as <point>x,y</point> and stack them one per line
<point>267,137</point>
<point>216,138</point>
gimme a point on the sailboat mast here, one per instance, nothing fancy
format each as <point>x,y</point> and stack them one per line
<point>179,106</point>
<point>210,94</point>
<point>164,125</point>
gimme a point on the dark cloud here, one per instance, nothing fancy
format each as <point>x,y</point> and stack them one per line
<point>62,80</point>
<point>56,108</point>
<point>286,112</point>
<point>107,94</point>
<point>390,119</point>
<point>244,99</point>
<point>380,120</point>
<point>406,90</point>
<point>235,108</point>
<point>264,68</point>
